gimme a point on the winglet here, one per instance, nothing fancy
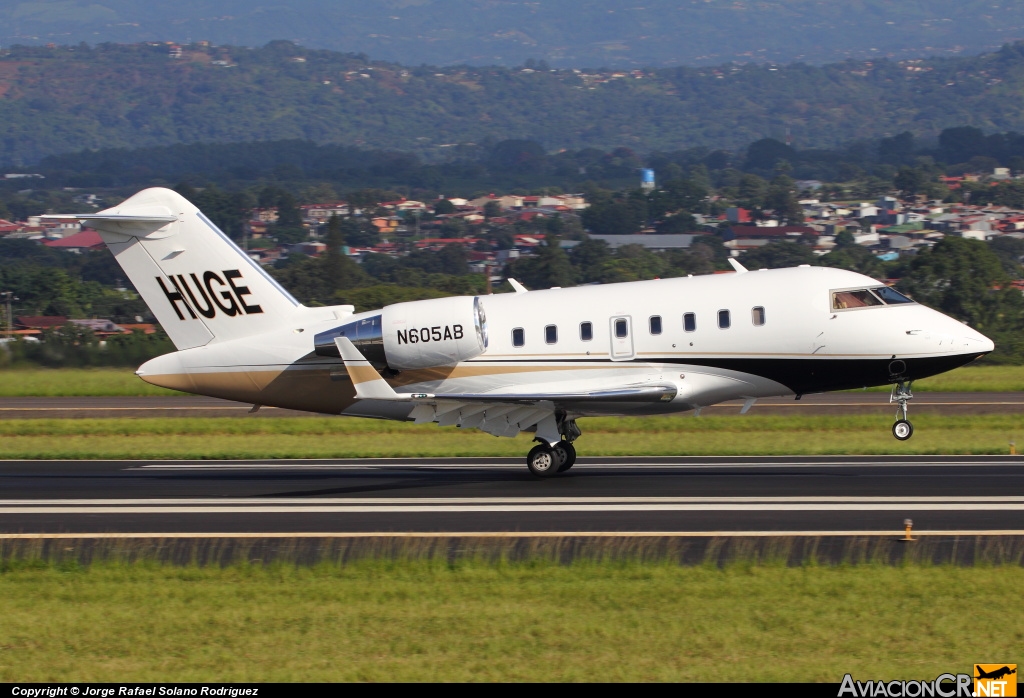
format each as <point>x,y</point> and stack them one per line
<point>740,269</point>
<point>368,383</point>
<point>518,286</point>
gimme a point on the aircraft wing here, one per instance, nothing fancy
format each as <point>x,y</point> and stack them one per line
<point>501,414</point>
<point>369,385</point>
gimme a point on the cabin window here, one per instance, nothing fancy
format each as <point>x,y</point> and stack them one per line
<point>690,322</point>
<point>863,298</point>
<point>621,328</point>
<point>551,334</point>
<point>723,319</point>
<point>518,337</point>
<point>890,295</point>
<point>655,323</point>
<point>757,315</point>
<point>586,331</point>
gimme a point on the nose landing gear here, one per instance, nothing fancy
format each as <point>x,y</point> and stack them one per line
<point>901,394</point>
<point>545,460</point>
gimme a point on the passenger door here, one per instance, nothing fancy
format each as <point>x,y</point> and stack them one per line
<point>621,333</point>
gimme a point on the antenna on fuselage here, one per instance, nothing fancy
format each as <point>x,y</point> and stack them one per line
<point>740,269</point>
<point>518,286</point>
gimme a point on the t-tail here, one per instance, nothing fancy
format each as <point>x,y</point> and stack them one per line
<point>202,288</point>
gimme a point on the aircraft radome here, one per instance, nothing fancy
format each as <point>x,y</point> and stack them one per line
<point>532,361</point>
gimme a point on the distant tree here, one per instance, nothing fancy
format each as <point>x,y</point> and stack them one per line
<point>958,277</point>
<point>1011,254</point>
<point>699,259</point>
<point>909,181</point>
<point>359,232</point>
<point>714,249</point>
<point>503,237</point>
<point>613,218</point>
<point>781,197</point>
<point>633,263</point>
<point>366,200</point>
<point>288,227</point>
<point>444,206</point>
<point>520,156</point>
<point>380,295</point>
<point>776,255</point>
<point>550,266</point>
<point>340,272</point>
<point>229,211</point>
<point>492,209</point>
<point>679,223</point>
<point>897,150</point>
<point>589,258</point>
<point>854,258</point>
<point>268,197</point>
<point>452,228</point>
<point>316,281</point>
<point>751,190</point>
<point>845,239</point>
<point>961,143</point>
<point>765,153</point>
<point>452,260</point>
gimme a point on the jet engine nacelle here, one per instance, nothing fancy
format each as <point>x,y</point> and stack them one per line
<point>436,332</point>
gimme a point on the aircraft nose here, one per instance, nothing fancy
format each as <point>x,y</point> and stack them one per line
<point>979,342</point>
<point>975,341</point>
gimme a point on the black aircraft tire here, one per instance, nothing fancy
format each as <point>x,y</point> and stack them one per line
<point>570,455</point>
<point>542,461</point>
<point>902,429</point>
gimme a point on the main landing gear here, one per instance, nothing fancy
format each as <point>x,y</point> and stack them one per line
<point>545,460</point>
<point>901,394</point>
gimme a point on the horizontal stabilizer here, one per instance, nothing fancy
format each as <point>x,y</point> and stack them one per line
<point>112,217</point>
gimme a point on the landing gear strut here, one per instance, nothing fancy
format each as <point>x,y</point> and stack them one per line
<point>545,460</point>
<point>901,394</point>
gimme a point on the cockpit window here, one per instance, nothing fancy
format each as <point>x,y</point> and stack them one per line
<point>891,296</point>
<point>842,300</point>
<point>867,297</point>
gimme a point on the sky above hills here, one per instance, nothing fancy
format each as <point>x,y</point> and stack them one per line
<point>564,33</point>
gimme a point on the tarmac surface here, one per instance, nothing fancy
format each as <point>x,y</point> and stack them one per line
<point>703,496</point>
<point>860,402</point>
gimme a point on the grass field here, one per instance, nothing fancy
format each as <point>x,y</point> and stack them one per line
<point>122,382</point>
<point>338,437</point>
<point>76,382</point>
<point>528,621</point>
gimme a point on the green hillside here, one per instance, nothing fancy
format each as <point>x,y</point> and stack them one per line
<point>565,33</point>
<point>61,99</point>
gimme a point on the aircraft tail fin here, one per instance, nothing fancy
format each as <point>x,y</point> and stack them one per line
<point>200,286</point>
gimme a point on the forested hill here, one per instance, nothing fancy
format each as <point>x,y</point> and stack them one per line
<point>565,33</point>
<point>61,99</point>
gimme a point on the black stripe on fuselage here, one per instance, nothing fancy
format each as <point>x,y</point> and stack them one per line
<point>801,375</point>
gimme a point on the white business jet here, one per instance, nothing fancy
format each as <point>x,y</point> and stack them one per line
<point>532,361</point>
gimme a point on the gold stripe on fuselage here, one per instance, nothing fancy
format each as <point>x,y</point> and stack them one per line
<point>327,387</point>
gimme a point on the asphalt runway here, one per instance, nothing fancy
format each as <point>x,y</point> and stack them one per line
<point>842,495</point>
<point>193,406</point>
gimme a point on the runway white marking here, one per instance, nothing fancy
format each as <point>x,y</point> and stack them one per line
<point>510,534</point>
<point>370,465</point>
<point>503,505</point>
<point>492,501</point>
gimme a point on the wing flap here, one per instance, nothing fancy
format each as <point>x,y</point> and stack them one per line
<point>640,393</point>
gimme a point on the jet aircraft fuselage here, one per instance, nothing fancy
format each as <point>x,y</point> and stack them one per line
<point>525,361</point>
